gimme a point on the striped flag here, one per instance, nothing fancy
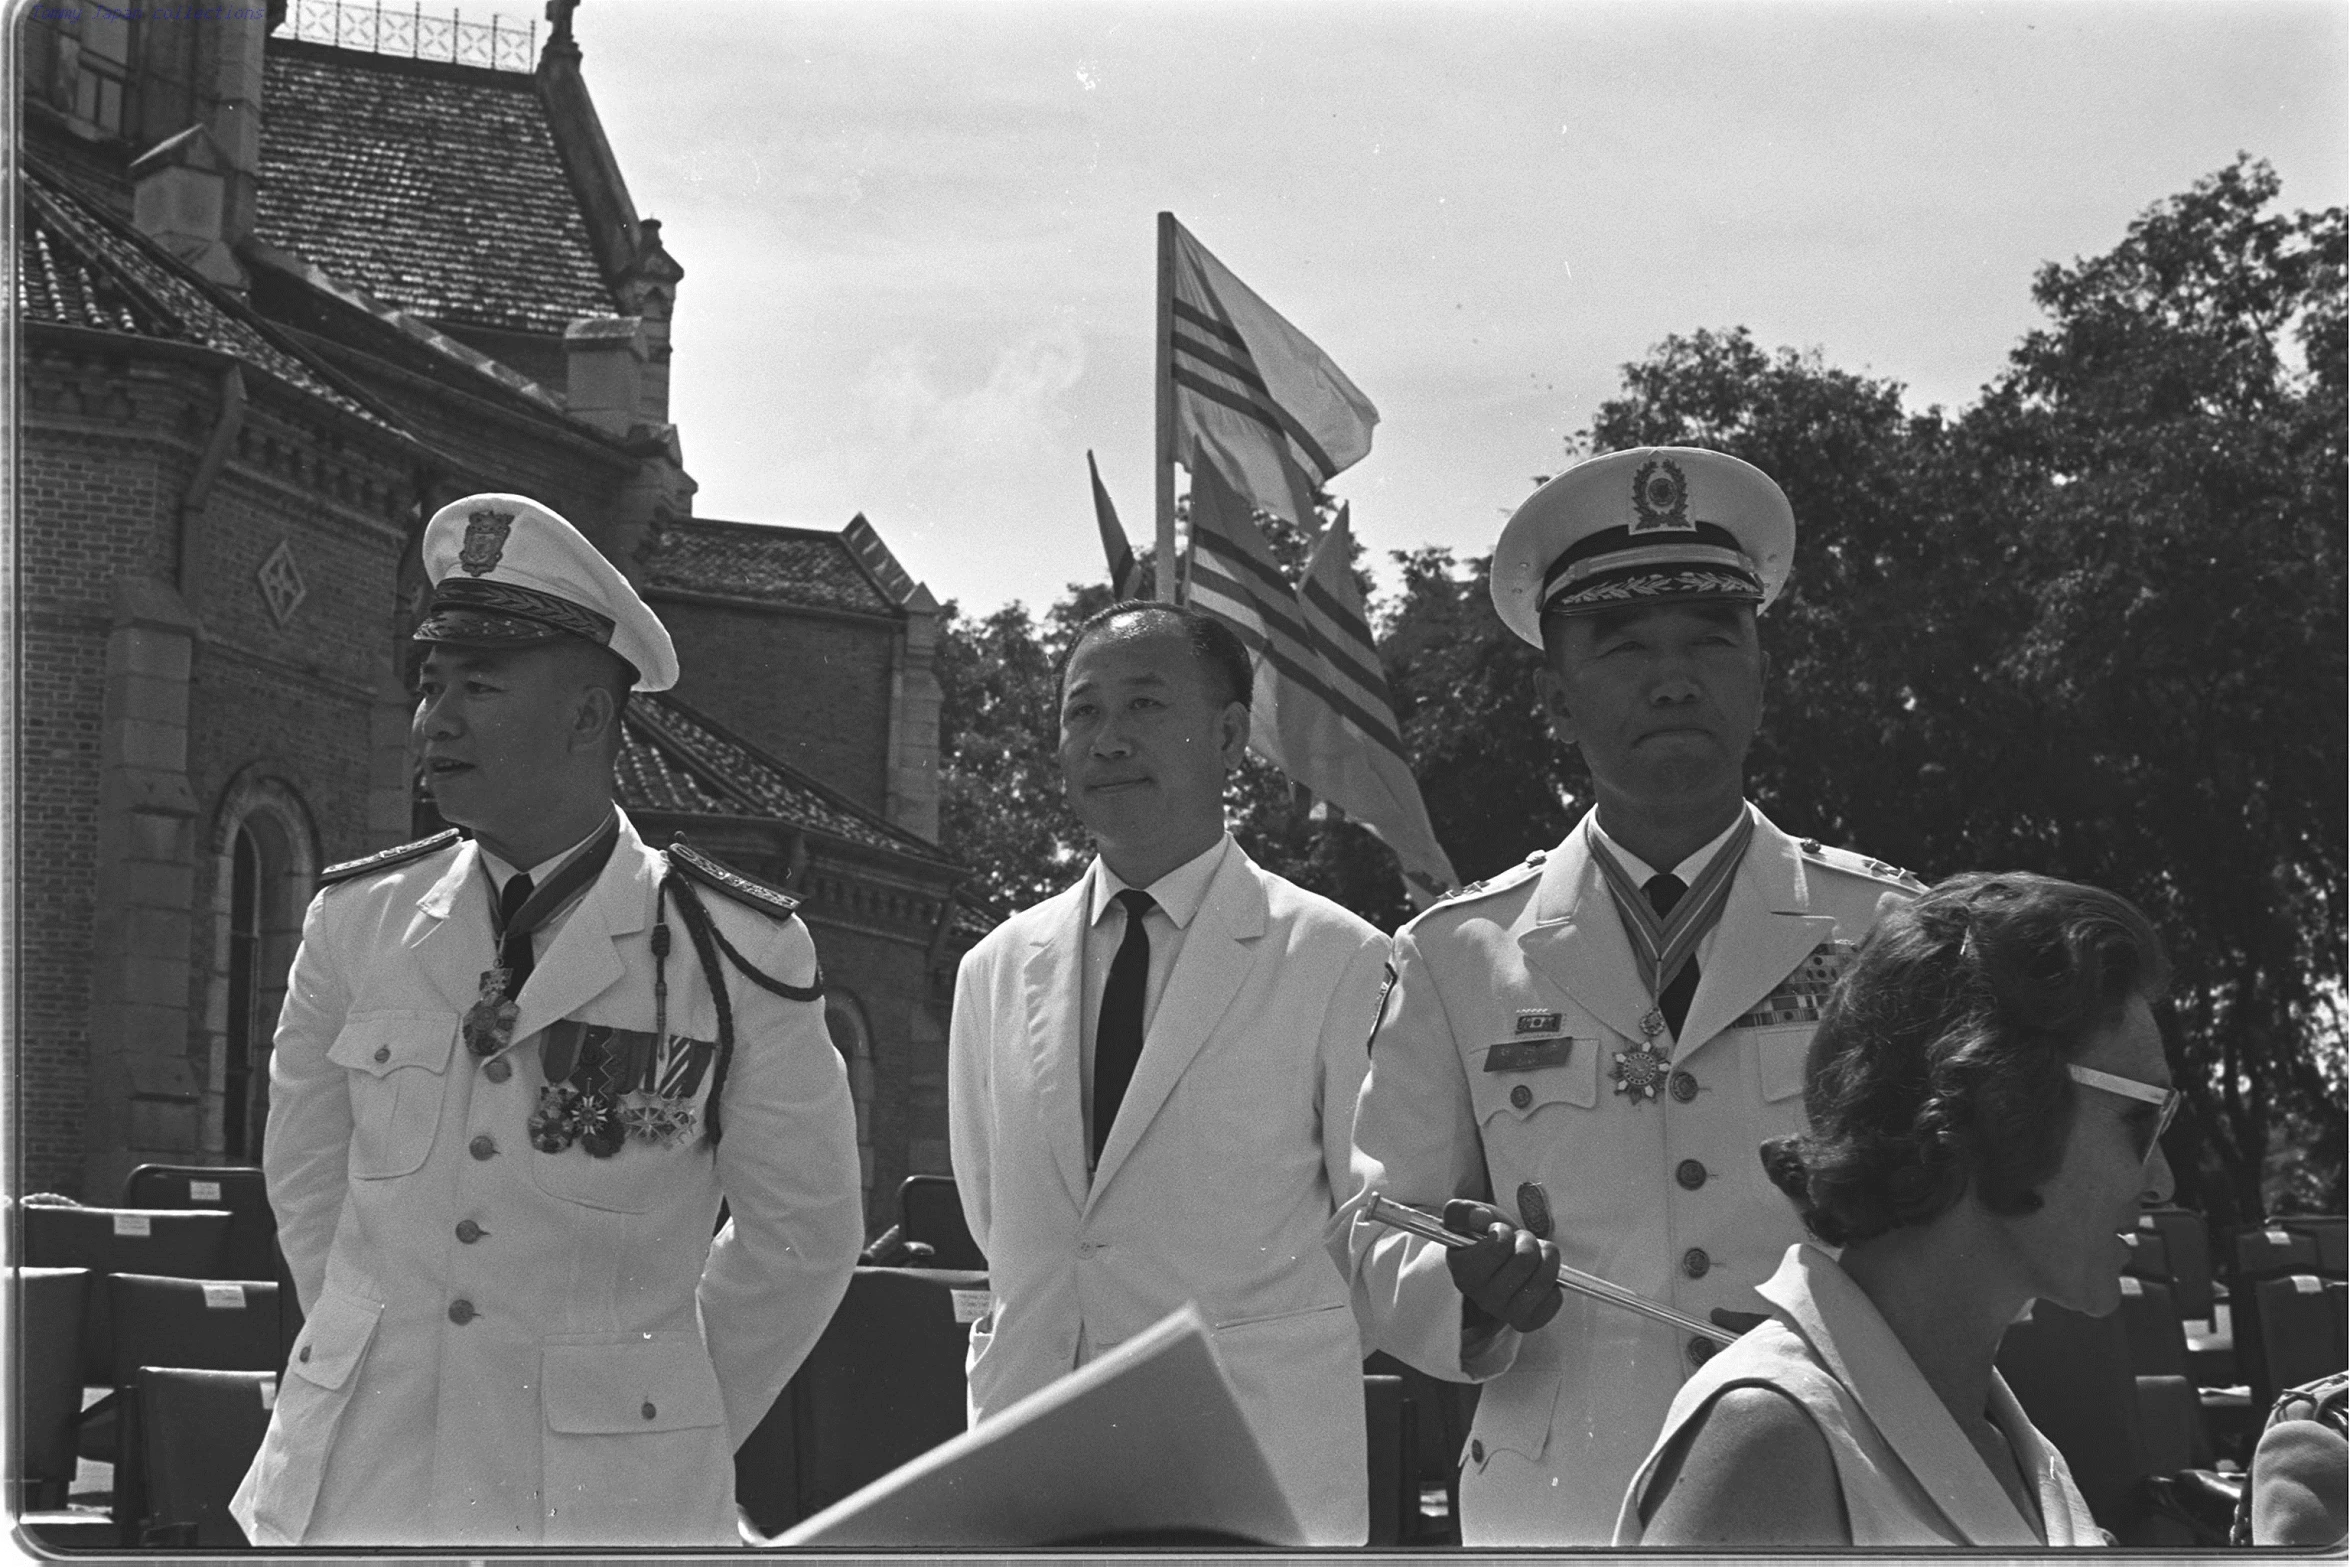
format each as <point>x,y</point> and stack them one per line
<point>1125,570</point>
<point>1321,712</point>
<point>1253,396</point>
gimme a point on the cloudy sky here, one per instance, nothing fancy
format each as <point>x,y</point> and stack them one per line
<point>918,236</point>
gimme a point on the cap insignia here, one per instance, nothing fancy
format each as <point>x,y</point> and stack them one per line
<point>1660,494</point>
<point>485,540</point>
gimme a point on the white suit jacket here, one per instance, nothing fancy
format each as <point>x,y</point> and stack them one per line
<point>1220,1177</point>
<point>610,1355</point>
<point>1492,1078</point>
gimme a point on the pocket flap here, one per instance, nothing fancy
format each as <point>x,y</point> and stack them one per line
<point>1500,1091</point>
<point>333,1339</point>
<point>658,1384</point>
<point>1779,1057</point>
<point>381,1042</point>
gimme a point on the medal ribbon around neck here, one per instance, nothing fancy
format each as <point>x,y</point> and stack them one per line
<point>1662,943</point>
<point>489,1023</point>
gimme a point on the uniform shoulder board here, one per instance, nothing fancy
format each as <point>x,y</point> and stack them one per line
<point>386,859</point>
<point>1860,865</point>
<point>751,894</point>
<point>1499,881</point>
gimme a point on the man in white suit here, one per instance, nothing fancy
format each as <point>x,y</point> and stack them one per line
<point>1582,1056</point>
<point>1153,1075</point>
<point>504,1107</point>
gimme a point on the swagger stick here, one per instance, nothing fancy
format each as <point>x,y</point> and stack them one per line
<point>1396,1216</point>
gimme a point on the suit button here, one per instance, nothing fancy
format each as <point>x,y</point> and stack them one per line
<point>497,1069</point>
<point>1701,1350</point>
<point>648,1411</point>
<point>1521,1096</point>
<point>1477,1451</point>
<point>383,1052</point>
<point>468,1231</point>
<point>304,1356</point>
<point>1086,1248</point>
<point>461,1311</point>
<point>483,1147</point>
<point>1695,1263</point>
<point>1684,1087</point>
<point>1690,1174</point>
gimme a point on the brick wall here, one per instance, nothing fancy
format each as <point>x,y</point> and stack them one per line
<point>811,690</point>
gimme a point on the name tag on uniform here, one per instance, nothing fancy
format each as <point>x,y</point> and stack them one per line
<point>1528,1055</point>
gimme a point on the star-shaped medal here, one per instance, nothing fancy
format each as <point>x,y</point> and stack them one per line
<point>1639,1073</point>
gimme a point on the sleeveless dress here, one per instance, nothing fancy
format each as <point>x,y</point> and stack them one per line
<point>1909,1475</point>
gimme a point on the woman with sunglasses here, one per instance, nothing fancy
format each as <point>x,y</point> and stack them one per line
<point>1986,1095</point>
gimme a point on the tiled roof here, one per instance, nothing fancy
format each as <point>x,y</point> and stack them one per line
<point>674,759</point>
<point>436,188</point>
<point>748,560</point>
<point>80,266</point>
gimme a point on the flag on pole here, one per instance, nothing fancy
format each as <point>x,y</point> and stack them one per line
<point>1125,570</point>
<point>1321,710</point>
<point>1252,395</point>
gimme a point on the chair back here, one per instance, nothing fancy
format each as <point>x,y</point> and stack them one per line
<point>51,1304</point>
<point>2072,1375</point>
<point>250,1251</point>
<point>2265,1251</point>
<point>194,1324</point>
<point>2298,1334</point>
<point>176,1244</point>
<point>931,1211</point>
<point>2329,1233</point>
<point>2150,1319</point>
<point>194,1434</point>
<point>2186,1240</point>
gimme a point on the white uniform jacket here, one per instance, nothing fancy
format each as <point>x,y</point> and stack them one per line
<point>1491,1076</point>
<point>1220,1177</point>
<point>509,1347</point>
<point>1908,1474</point>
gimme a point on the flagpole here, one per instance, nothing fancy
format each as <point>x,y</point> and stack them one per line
<point>1165,463</point>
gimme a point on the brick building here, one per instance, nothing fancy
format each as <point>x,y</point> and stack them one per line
<point>278,301</point>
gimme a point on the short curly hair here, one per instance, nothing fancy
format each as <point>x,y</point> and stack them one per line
<point>1940,1057</point>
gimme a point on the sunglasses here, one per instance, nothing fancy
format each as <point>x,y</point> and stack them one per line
<point>2130,1088</point>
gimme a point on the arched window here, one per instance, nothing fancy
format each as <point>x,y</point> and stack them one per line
<point>264,867</point>
<point>854,1040</point>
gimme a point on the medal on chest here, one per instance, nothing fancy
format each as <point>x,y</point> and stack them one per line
<point>488,1025</point>
<point>1640,1072</point>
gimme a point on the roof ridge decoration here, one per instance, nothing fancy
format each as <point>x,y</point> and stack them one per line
<point>236,331</point>
<point>401,321</point>
<point>370,29</point>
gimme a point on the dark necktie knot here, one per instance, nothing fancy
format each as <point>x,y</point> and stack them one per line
<point>1137,903</point>
<point>1664,891</point>
<point>510,901</point>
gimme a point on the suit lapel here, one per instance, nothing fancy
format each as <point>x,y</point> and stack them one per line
<point>1767,928</point>
<point>1578,942</point>
<point>1218,951</point>
<point>583,960</point>
<point>1053,986</point>
<point>450,936</point>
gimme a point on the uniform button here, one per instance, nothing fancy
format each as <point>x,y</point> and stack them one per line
<point>304,1356</point>
<point>483,1147</point>
<point>648,1411</point>
<point>1684,1087</point>
<point>1085,1248</point>
<point>1477,1451</point>
<point>468,1231</point>
<point>383,1052</point>
<point>1521,1096</point>
<point>461,1311</point>
<point>1690,1174</point>
<point>497,1069</point>
<point>1701,1350</point>
<point>1695,1263</point>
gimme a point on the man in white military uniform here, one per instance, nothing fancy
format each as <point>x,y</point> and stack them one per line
<point>1580,1057</point>
<point>505,1103</point>
<point>1152,1076</point>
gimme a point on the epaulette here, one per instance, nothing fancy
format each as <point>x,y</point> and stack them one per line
<point>1860,865</point>
<point>385,859</point>
<point>751,894</point>
<point>1499,881</point>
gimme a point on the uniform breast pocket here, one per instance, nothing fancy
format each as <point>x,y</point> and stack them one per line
<point>398,1066</point>
<point>633,1179</point>
<point>1515,1085</point>
<point>1779,1057</point>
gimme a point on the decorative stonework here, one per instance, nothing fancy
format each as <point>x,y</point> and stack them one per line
<point>281,582</point>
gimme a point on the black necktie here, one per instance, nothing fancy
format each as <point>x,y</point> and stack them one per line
<point>514,937</point>
<point>1117,1038</point>
<point>1664,890</point>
